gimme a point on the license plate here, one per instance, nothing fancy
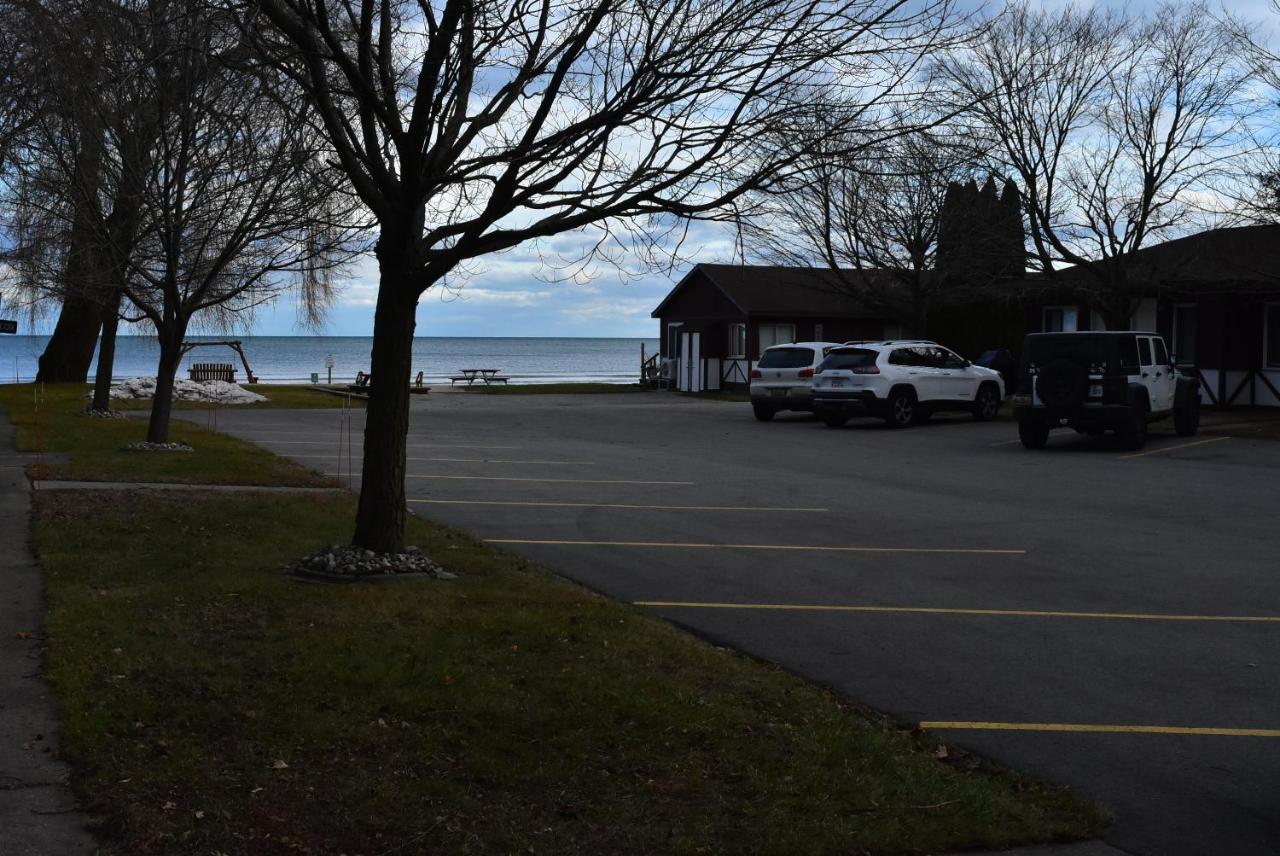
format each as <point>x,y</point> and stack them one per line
<point>1095,392</point>
<point>835,381</point>
<point>778,392</point>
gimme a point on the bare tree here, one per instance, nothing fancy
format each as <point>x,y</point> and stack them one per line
<point>1114,129</point>
<point>234,200</point>
<point>187,145</point>
<point>872,217</point>
<point>57,57</point>
<point>471,126</point>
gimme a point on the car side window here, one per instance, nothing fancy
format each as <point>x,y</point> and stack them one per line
<point>1144,350</point>
<point>950,360</point>
<point>902,357</point>
<point>1162,355</point>
<point>1129,352</point>
<point>933,358</point>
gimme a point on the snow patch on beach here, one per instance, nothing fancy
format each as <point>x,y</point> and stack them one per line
<point>218,391</point>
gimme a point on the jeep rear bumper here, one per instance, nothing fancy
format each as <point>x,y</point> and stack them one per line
<point>1084,415</point>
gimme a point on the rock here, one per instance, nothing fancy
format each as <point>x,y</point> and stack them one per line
<point>143,446</point>
<point>354,563</point>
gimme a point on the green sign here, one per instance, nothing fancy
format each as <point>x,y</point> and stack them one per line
<point>8,327</point>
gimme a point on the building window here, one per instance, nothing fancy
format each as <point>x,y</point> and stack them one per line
<point>817,332</point>
<point>1060,319</point>
<point>737,341</point>
<point>1272,335</point>
<point>776,334</point>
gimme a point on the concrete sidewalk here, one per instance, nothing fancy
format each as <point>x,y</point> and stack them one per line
<point>38,814</point>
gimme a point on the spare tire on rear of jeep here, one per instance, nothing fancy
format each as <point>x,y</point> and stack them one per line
<point>1062,383</point>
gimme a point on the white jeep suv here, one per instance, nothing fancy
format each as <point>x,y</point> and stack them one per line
<point>902,381</point>
<point>783,377</point>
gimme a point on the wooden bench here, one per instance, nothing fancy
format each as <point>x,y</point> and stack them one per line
<point>212,371</point>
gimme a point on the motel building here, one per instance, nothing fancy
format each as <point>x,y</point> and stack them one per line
<point>1213,296</point>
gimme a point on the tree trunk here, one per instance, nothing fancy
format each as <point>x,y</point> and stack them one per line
<point>106,353</point>
<point>69,352</point>
<point>162,404</point>
<point>381,513</point>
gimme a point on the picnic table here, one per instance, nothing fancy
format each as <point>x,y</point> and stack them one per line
<point>470,376</point>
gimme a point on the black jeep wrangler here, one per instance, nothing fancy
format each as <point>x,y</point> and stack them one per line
<point>1094,382</point>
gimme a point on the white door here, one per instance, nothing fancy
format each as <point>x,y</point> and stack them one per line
<point>955,381</point>
<point>690,363</point>
<point>1163,383</point>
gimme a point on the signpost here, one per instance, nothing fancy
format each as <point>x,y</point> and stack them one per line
<point>328,364</point>
<point>9,327</point>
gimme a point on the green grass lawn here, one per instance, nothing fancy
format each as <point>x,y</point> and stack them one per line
<point>94,448</point>
<point>550,388</point>
<point>213,706</point>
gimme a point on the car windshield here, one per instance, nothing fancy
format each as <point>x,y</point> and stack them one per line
<point>851,358</point>
<point>786,358</point>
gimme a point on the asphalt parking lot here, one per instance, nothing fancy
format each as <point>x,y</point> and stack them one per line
<point>1109,621</point>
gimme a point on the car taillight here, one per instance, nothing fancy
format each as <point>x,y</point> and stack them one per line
<point>806,373</point>
<point>756,373</point>
<point>867,370</point>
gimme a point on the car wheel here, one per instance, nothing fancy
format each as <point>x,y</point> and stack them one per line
<point>987,404</point>
<point>1133,430</point>
<point>1033,433</point>
<point>1186,419</point>
<point>834,418</point>
<point>901,408</point>
<point>763,412</point>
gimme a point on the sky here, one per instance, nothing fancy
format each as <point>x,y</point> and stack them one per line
<point>528,291</point>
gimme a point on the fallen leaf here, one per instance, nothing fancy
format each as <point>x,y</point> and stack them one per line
<point>279,764</point>
<point>23,634</point>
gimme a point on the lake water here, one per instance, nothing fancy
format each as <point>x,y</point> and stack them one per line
<point>283,359</point>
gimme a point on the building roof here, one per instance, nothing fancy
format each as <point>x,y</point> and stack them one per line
<point>1227,258</point>
<point>775,290</point>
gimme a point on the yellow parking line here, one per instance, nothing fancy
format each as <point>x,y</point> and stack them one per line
<point>699,546</point>
<point>471,460</point>
<point>526,479</point>
<point>934,610</point>
<point>612,505</point>
<point>411,445</point>
<point>1085,728</point>
<point>1175,448</point>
